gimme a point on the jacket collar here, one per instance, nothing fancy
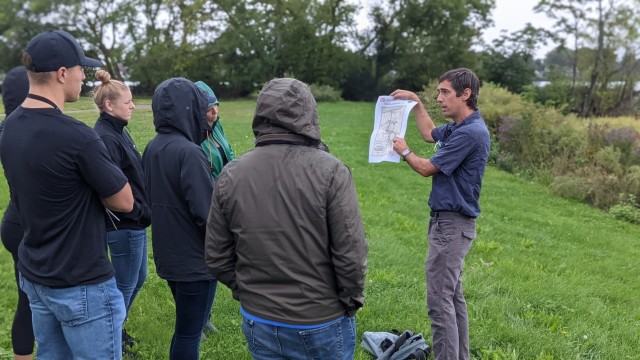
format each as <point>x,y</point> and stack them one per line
<point>112,121</point>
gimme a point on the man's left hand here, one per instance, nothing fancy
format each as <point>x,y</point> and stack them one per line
<point>399,145</point>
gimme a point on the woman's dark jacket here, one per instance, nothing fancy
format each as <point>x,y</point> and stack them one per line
<point>124,153</point>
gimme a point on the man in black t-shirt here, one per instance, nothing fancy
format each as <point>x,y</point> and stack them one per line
<point>62,181</point>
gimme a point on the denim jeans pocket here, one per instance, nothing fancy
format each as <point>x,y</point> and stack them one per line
<point>248,327</point>
<point>69,304</point>
<point>326,342</point>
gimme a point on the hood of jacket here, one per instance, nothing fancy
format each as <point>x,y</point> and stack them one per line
<point>179,106</point>
<point>286,108</point>
<point>15,88</point>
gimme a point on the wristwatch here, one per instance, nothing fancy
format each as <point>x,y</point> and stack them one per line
<point>405,153</point>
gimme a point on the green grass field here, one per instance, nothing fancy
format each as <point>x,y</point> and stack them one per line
<point>546,278</point>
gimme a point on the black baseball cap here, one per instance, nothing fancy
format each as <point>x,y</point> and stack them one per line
<point>54,49</point>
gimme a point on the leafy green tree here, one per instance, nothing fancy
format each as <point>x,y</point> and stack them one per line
<point>413,41</point>
<point>168,38</point>
<point>513,71</point>
<point>99,25</point>
<point>510,63</point>
<point>19,22</point>
<point>274,38</point>
<point>603,33</point>
<point>570,17</point>
<point>627,71</point>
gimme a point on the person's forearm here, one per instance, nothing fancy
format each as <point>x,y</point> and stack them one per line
<point>420,165</point>
<point>423,122</point>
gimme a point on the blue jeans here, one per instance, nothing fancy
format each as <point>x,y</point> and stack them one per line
<point>192,307</point>
<point>128,250</point>
<point>336,341</point>
<point>79,322</point>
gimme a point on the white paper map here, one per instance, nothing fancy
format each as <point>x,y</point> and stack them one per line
<point>390,121</point>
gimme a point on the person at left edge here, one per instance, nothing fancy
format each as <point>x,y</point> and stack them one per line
<point>61,179</point>
<point>179,186</point>
<point>15,88</point>
<point>126,232</point>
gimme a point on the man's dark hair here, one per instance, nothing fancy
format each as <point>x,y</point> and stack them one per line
<point>461,79</point>
<point>34,77</point>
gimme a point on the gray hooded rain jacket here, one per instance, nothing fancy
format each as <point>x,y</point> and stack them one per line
<point>284,231</point>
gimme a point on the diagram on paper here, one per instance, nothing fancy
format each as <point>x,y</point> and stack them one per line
<point>390,126</point>
<point>390,121</point>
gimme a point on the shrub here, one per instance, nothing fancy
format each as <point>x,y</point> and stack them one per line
<point>589,184</point>
<point>608,159</point>
<point>494,151</point>
<point>495,102</point>
<point>325,93</point>
<point>506,162</point>
<point>623,139</point>
<point>604,186</point>
<point>556,94</point>
<point>595,138</point>
<point>428,97</point>
<point>631,181</point>
<point>571,187</point>
<point>626,209</point>
<point>578,160</point>
<point>626,212</point>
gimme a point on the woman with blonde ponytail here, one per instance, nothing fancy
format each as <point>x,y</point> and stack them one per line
<point>126,232</point>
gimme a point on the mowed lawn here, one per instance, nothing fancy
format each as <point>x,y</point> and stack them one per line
<point>546,278</point>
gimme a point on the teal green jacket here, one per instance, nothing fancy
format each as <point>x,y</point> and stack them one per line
<point>216,162</point>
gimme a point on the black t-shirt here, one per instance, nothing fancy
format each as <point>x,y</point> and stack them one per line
<point>58,170</point>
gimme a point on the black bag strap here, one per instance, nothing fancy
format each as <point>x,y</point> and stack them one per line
<point>402,339</point>
<point>385,344</point>
<point>419,354</point>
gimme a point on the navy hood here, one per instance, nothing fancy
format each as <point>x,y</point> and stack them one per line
<point>15,88</point>
<point>180,106</point>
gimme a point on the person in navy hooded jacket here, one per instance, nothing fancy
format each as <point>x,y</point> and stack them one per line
<point>179,186</point>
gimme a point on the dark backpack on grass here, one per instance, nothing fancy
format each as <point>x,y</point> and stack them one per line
<point>387,346</point>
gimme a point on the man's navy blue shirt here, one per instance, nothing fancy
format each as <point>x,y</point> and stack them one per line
<point>461,159</point>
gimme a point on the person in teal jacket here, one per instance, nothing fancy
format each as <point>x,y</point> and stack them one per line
<point>215,146</point>
<point>219,153</point>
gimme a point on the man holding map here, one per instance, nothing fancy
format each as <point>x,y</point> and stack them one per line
<point>457,169</point>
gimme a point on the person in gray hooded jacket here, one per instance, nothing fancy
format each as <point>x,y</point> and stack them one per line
<point>285,234</point>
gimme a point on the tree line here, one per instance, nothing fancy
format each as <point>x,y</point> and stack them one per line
<point>238,45</point>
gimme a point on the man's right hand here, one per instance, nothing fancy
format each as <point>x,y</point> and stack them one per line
<point>405,95</point>
<point>423,120</point>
